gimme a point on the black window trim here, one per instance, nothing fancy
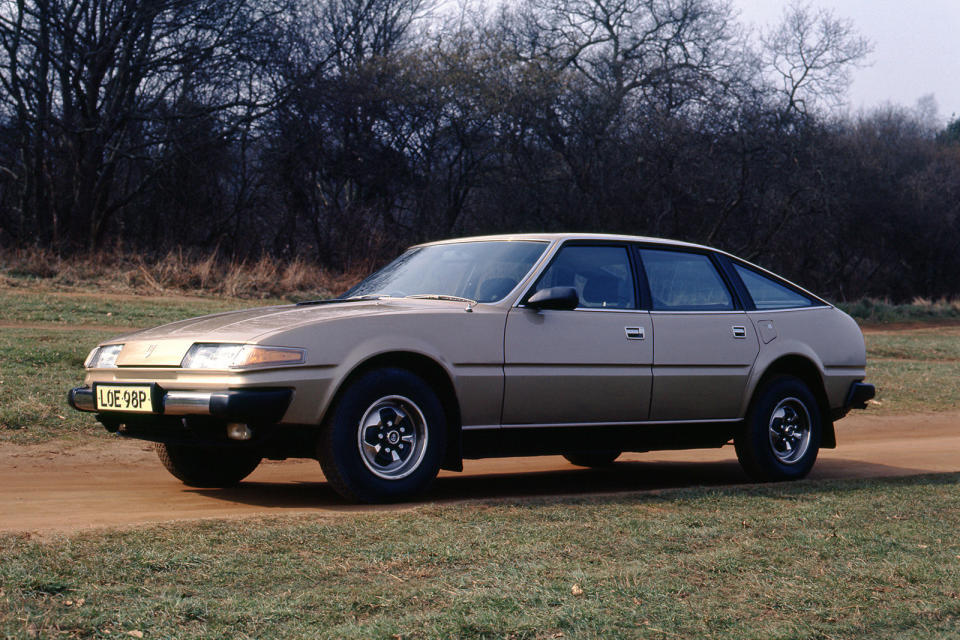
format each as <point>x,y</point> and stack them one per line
<point>734,281</point>
<point>715,259</point>
<point>639,302</point>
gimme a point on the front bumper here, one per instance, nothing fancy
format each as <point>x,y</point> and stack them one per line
<point>246,405</point>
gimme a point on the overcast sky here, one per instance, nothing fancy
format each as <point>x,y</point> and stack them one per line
<point>916,48</point>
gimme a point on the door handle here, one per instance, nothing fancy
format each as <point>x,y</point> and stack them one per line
<point>739,332</point>
<point>634,333</point>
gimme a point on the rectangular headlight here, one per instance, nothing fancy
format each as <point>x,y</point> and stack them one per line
<point>211,356</point>
<point>239,356</point>
<point>104,357</point>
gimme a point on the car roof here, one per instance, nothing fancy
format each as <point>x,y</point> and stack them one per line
<point>609,237</point>
<point>552,237</point>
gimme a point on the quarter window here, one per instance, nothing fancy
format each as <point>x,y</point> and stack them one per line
<point>682,281</point>
<point>769,294</point>
<point>600,274</point>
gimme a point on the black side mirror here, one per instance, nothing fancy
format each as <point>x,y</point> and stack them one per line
<point>562,298</point>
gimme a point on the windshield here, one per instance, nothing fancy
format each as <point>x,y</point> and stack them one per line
<point>480,271</point>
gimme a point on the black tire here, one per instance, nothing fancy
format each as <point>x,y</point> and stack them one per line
<point>592,458</point>
<point>385,438</point>
<point>207,467</point>
<point>780,437</point>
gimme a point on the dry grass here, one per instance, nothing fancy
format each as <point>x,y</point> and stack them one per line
<point>881,311</point>
<point>211,274</point>
<point>176,272</point>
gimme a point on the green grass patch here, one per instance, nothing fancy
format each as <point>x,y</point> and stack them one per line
<point>841,559</point>
<point>39,366</point>
<point>915,371</point>
<point>938,344</point>
<point>912,386</point>
<point>111,310</point>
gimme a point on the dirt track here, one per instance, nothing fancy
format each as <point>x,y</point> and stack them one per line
<point>121,483</point>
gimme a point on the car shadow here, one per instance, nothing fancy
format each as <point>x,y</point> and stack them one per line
<point>621,477</point>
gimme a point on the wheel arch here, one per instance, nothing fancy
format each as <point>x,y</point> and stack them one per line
<point>805,369</point>
<point>435,375</point>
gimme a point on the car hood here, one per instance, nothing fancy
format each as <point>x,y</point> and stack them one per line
<point>167,344</point>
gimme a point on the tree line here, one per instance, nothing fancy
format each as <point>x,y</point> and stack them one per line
<point>345,130</point>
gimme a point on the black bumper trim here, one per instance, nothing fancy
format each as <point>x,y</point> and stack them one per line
<point>257,406</point>
<point>859,394</point>
<point>260,406</point>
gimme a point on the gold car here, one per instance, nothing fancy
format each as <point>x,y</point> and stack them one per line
<point>573,344</point>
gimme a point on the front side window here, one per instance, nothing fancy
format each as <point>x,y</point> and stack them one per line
<point>601,275</point>
<point>769,294</point>
<point>682,281</point>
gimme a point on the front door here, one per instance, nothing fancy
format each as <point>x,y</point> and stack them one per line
<point>590,365</point>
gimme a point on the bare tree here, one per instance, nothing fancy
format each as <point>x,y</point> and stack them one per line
<point>92,86</point>
<point>346,129</point>
<point>810,54</point>
<point>341,134</point>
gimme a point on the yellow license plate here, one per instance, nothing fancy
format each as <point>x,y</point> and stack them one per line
<point>130,398</point>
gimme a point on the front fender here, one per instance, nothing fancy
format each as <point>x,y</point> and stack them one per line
<point>468,346</point>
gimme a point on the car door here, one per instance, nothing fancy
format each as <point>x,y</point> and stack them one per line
<point>587,365</point>
<point>704,345</point>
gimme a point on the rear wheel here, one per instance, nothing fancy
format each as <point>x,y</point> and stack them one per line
<point>780,438</point>
<point>592,458</point>
<point>385,438</point>
<point>207,466</point>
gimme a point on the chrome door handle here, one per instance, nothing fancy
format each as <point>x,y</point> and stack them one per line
<point>739,332</point>
<point>634,333</point>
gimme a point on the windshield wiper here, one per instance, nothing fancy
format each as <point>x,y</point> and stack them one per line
<point>369,296</point>
<point>381,296</point>
<point>305,303</point>
<point>375,296</point>
<point>440,296</point>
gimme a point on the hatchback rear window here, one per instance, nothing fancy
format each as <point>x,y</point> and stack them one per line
<point>768,293</point>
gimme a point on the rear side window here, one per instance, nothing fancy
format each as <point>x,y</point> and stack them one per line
<point>770,294</point>
<point>682,281</point>
<point>600,274</point>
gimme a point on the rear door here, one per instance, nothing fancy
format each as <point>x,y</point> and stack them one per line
<point>589,365</point>
<point>705,345</point>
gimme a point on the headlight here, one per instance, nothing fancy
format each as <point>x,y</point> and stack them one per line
<point>211,356</point>
<point>239,356</point>
<point>103,357</point>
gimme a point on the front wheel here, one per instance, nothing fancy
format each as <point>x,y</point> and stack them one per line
<point>780,437</point>
<point>385,437</point>
<point>207,467</point>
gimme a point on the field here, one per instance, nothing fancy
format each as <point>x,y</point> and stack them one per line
<point>817,559</point>
<point>876,559</point>
<point>915,370</point>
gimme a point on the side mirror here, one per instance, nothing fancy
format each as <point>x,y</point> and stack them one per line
<point>562,298</point>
